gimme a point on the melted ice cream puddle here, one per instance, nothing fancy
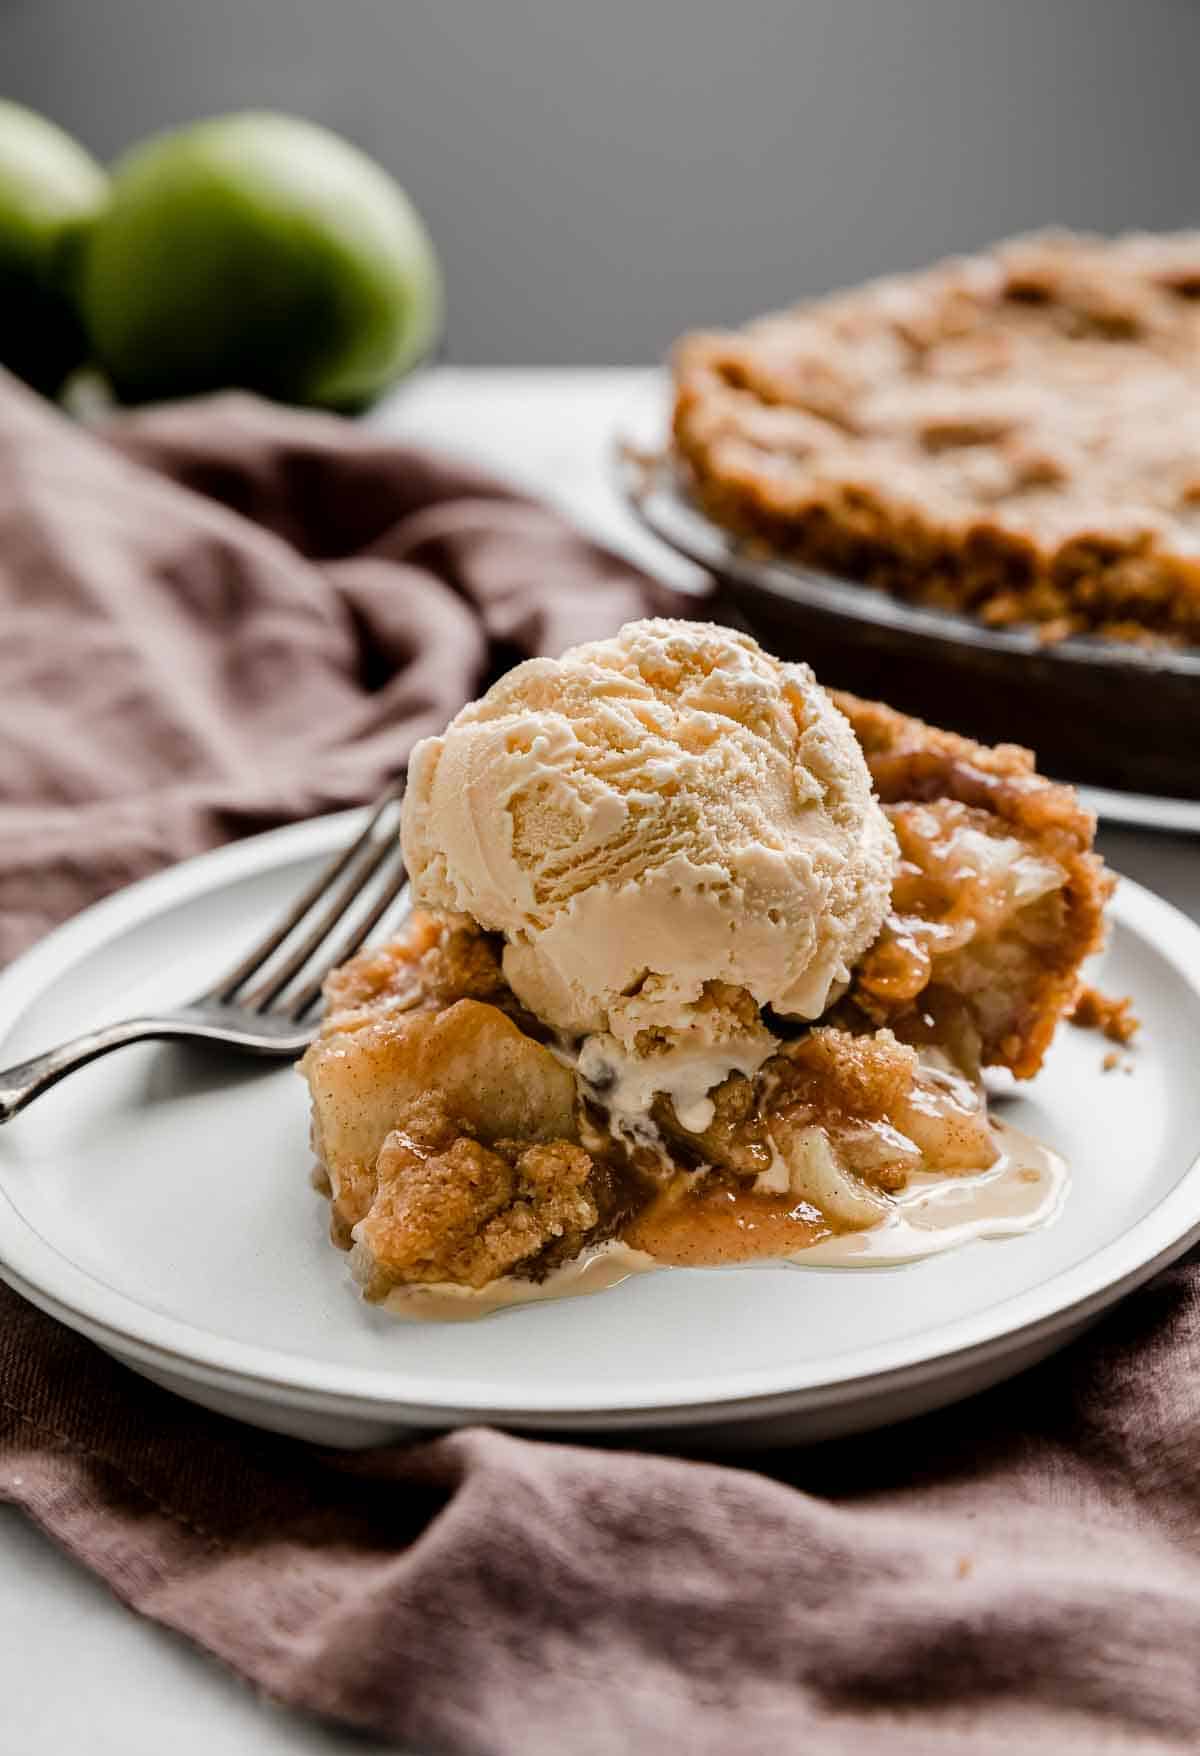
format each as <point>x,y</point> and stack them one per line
<point>594,1271</point>
<point>1023,1191</point>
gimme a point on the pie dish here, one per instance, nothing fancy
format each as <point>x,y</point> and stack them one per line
<point>467,1138</point>
<point>1011,434</point>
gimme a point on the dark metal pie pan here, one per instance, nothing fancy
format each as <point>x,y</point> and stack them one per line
<point>1098,712</point>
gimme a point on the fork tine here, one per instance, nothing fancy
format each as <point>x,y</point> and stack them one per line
<point>236,978</point>
<point>300,1003</point>
<point>280,975</point>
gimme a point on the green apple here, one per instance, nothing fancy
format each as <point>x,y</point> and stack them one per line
<point>262,251</point>
<point>50,192</point>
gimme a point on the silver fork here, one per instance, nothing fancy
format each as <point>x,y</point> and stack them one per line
<point>273,1015</point>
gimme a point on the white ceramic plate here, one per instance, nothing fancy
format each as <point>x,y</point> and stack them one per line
<point>158,1201</point>
<point>1143,810</point>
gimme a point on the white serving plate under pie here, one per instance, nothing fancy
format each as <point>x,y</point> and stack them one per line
<point>159,1202</point>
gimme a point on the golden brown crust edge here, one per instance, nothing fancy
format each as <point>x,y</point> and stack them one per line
<point>771,434</point>
<point>910,760</point>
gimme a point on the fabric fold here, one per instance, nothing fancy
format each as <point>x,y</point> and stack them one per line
<point>221,616</point>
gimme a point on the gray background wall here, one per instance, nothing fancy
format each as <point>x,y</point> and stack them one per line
<point>600,174</point>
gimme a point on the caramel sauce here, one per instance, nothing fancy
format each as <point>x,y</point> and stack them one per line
<point>1022,1191</point>
<point>703,1230</point>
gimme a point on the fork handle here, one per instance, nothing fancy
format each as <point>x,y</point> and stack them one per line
<point>19,1085</point>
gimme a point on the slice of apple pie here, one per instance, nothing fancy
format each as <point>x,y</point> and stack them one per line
<point>479,1112</point>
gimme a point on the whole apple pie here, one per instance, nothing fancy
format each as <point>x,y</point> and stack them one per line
<point>704,960</point>
<point>1013,434</point>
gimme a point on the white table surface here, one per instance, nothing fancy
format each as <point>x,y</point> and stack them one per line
<point>77,1671</point>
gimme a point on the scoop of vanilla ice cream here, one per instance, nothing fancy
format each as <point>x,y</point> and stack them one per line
<point>649,814</point>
